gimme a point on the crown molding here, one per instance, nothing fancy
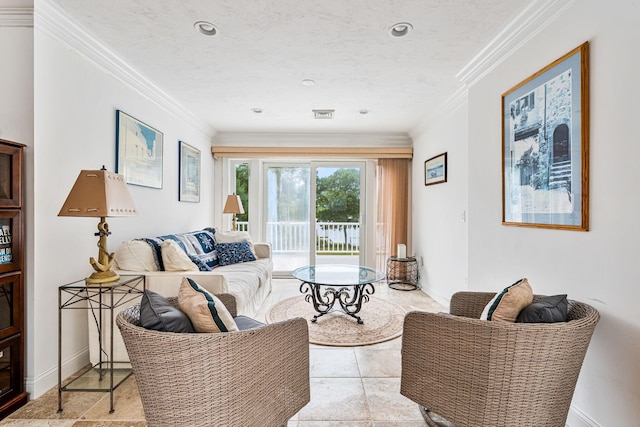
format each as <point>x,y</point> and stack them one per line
<point>315,139</point>
<point>52,20</point>
<point>16,17</point>
<point>456,100</point>
<point>526,25</point>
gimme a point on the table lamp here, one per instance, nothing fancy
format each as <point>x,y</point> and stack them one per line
<point>233,206</point>
<point>100,194</point>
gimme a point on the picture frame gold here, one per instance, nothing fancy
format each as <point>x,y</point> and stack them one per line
<point>545,146</point>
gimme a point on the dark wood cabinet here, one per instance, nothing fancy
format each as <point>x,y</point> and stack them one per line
<point>12,388</point>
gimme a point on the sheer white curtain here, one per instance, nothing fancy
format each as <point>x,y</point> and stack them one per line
<point>393,208</point>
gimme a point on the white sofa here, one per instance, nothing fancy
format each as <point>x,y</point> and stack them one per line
<point>249,282</point>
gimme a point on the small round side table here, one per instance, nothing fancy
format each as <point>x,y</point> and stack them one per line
<point>402,273</point>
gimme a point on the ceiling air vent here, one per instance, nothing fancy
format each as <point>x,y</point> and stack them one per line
<point>323,114</point>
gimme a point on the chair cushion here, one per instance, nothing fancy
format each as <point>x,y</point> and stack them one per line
<point>157,313</point>
<point>175,258</point>
<point>546,310</point>
<point>235,252</point>
<point>245,323</point>
<point>205,310</point>
<point>506,305</point>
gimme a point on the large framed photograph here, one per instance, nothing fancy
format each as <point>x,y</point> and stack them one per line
<point>189,166</point>
<point>139,151</point>
<point>545,139</point>
<point>435,169</point>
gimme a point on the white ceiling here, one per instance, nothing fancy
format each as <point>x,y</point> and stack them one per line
<point>265,48</point>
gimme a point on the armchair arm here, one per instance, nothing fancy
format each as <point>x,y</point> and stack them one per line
<point>263,250</point>
<point>469,304</point>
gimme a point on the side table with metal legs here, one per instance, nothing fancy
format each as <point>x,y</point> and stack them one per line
<point>106,375</point>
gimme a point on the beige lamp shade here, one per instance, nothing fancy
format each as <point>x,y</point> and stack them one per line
<point>99,193</point>
<point>233,205</point>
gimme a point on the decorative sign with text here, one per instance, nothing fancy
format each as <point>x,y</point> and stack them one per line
<point>5,242</point>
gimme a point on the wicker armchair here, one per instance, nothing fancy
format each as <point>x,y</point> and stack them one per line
<point>479,373</point>
<point>256,377</point>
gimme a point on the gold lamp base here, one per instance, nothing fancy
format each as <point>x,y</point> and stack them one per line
<point>103,273</point>
<point>101,277</point>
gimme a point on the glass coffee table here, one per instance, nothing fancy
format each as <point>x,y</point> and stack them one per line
<point>325,284</point>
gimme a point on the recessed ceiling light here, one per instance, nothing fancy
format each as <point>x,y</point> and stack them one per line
<point>364,111</point>
<point>308,82</point>
<point>257,110</point>
<point>205,28</point>
<point>400,29</point>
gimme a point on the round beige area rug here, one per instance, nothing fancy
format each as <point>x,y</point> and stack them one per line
<point>382,322</point>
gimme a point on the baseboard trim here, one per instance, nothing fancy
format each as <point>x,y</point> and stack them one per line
<point>577,418</point>
<point>39,385</point>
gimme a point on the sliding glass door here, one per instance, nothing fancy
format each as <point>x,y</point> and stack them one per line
<point>313,213</point>
<point>288,213</point>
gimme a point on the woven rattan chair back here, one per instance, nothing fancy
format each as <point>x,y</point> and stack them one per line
<point>478,373</point>
<point>258,377</point>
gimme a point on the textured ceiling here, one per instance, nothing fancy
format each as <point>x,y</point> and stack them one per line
<point>265,48</point>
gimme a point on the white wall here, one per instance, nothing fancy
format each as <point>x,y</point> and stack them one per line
<point>16,119</point>
<point>75,110</point>
<point>439,211</point>
<point>597,267</point>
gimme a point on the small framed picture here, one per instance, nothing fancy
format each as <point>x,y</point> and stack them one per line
<point>435,170</point>
<point>189,166</point>
<point>139,151</point>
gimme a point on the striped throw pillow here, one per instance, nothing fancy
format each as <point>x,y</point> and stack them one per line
<point>205,310</point>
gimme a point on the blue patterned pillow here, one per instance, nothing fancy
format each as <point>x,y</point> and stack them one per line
<point>201,263</point>
<point>233,253</point>
<point>203,246</point>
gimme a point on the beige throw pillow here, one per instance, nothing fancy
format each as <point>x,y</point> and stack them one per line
<point>135,255</point>
<point>205,310</point>
<point>175,258</point>
<point>506,305</point>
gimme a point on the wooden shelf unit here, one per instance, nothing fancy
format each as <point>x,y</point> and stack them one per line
<point>12,386</point>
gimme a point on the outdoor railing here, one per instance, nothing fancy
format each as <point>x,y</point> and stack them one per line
<point>331,237</point>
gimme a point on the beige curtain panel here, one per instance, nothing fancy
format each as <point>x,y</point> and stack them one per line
<point>393,207</point>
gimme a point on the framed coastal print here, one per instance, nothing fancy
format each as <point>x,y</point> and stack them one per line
<point>435,170</point>
<point>139,151</point>
<point>545,139</point>
<point>189,165</point>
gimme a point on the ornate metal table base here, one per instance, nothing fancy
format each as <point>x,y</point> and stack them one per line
<point>323,298</point>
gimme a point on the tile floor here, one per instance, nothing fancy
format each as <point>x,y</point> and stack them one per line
<point>350,386</point>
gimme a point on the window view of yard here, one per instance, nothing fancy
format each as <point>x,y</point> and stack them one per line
<point>288,214</point>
